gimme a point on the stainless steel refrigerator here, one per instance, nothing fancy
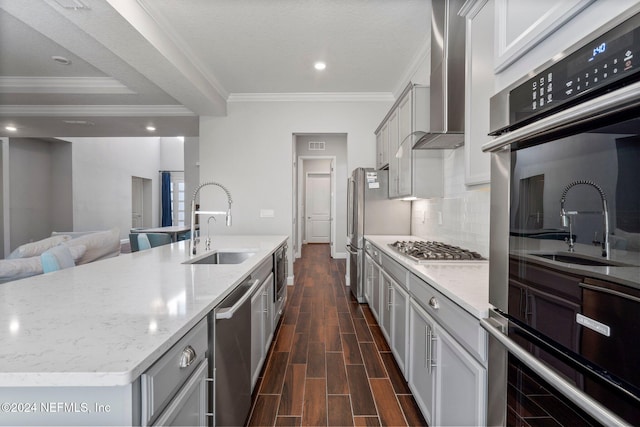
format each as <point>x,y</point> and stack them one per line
<point>370,211</point>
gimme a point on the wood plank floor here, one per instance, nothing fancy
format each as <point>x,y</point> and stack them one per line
<point>330,364</point>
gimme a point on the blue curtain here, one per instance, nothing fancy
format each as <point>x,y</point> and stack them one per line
<point>166,199</point>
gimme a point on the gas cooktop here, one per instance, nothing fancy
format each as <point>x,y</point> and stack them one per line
<point>425,251</point>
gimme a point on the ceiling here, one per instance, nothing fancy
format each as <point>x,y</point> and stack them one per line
<point>135,63</point>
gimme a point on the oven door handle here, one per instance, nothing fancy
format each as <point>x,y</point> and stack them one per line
<point>588,404</point>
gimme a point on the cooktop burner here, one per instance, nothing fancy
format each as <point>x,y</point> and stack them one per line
<point>424,251</point>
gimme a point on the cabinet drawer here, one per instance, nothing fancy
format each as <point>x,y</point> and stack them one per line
<point>263,270</point>
<point>373,251</point>
<point>395,270</point>
<point>164,378</point>
<point>453,318</point>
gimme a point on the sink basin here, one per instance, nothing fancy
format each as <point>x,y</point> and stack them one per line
<point>220,257</point>
<point>581,260</point>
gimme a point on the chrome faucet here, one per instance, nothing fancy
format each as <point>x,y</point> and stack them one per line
<point>194,213</point>
<point>566,215</point>
<point>207,241</point>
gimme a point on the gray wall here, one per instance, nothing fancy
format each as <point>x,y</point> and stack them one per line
<point>39,188</point>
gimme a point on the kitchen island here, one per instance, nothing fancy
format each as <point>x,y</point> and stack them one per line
<point>83,336</point>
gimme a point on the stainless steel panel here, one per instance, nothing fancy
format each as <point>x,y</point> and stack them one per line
<point>499,229</point>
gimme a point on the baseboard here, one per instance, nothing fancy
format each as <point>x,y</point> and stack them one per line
<point>340,255</point>
<point>290,280</point>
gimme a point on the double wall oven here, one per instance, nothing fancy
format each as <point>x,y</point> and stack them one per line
<point>564,345</point>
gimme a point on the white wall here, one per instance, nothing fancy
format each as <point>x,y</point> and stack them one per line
<point>172,153</point>
<point>102,171</point>
<point>461,217</point>
<point>250,151</point>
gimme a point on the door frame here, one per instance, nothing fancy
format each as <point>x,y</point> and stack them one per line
<point>6,197</point>
<point>306,184</point>
<point>300,200</point>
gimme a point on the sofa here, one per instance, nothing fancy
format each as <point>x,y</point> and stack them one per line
<point>85,247</point>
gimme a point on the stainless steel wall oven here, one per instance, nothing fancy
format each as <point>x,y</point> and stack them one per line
<point>565,238</point>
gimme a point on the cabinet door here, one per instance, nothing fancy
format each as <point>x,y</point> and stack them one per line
<point>394,165</point>
<point>257,333</point>
<point>189,406</point>
<point>399,325</point>
<point>368,278</point>
<point>421,374</point>
<point>382,147</point>
<point>461,384</point>
<point>269,313</point>
<point>385,304</point>
<point>375,293</point>
<point>479,89</point>
<point>404,153</point>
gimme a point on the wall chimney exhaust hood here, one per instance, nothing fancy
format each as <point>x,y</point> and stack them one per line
<point>447,77</point>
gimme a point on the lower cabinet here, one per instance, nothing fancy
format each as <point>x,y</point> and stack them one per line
<point>448,384</point>
<point>261,326</point>
<point>372,285</point>
<point>394,318</point>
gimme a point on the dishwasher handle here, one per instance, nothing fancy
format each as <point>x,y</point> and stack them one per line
<point>228,312</point>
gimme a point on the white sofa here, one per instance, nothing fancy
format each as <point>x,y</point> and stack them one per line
<point>85,247</point>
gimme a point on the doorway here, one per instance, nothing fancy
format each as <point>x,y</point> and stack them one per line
<point>140,202</point>
<point>317,207</point>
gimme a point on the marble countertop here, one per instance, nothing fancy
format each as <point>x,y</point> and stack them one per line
<point>465,283</point>
<point>105,323</point>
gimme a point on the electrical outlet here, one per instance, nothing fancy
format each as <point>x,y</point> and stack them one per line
<point>267,213</point>
<point>439,218</point>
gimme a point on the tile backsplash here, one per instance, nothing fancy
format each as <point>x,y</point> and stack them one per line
<point>459,218</point>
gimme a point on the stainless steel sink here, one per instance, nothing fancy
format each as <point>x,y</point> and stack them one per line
<point>582,260</point>
<point>222,257</point>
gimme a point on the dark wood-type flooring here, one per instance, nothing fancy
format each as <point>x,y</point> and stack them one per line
<point>330,364</point>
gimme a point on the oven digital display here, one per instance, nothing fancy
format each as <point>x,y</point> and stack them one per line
<point>601,63</point>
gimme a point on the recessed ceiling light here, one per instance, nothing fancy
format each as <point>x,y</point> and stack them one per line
<point>319,66</point>
<point>151,128</point>
<point>61,60</point>
<point>11,128</point>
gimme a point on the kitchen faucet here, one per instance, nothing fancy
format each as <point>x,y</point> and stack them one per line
<point>194,212</point>
<point>566,215</point>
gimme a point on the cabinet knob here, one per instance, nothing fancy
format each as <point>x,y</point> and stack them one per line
<point>187,357</point>
<point>433,302</point>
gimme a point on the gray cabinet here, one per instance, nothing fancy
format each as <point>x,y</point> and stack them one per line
<point>479,88</point>
<point>395,302</point>
<point>382,146</point>
<point>174,388</point>
<point>262,316</point>
<point>412,173</point>
<point>421,373</point>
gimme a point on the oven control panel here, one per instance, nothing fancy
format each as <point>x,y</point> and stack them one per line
<point>613,58</point>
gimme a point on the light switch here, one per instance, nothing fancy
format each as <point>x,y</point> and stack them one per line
<point>267,213</point>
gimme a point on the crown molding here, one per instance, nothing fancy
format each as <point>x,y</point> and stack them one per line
<point>94,110</point>
<point>313,97</point>
<point>75,85</point>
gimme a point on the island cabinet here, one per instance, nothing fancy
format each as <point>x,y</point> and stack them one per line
<point>262,314</point>
<point>447,359</point>
<point>174,388</point>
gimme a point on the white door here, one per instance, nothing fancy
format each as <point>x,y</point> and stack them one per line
<point>318,208</point>
<point>137,202</point>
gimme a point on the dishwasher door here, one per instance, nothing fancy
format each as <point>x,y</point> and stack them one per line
<point>233,356</point>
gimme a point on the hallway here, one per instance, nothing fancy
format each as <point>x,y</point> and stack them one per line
<point>330,364</point>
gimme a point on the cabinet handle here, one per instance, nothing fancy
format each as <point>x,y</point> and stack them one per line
<point>433,302</point>
<point>431,338</point>
<point>187,357</point>
<point>390,298</point>
<point>528,311</point>
<point>426,346</point>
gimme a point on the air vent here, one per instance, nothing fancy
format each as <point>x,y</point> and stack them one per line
<point>316,145</point>
<point>72,4</point>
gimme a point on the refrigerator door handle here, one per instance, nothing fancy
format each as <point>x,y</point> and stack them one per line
<point>351,251</point>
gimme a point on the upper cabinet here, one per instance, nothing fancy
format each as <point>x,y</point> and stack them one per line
<point>479,88</point>
<point>521,25</point>
<point>412,173</point>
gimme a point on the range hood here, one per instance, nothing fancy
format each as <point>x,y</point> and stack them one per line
<point>447,77</point>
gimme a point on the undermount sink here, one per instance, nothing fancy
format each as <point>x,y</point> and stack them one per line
<point>223,257</point>
<point>581,260</point>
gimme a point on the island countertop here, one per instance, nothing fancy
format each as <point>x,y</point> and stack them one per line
<point>105,323</point>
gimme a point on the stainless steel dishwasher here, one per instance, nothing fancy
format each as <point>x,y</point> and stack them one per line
<point>232,363</point>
